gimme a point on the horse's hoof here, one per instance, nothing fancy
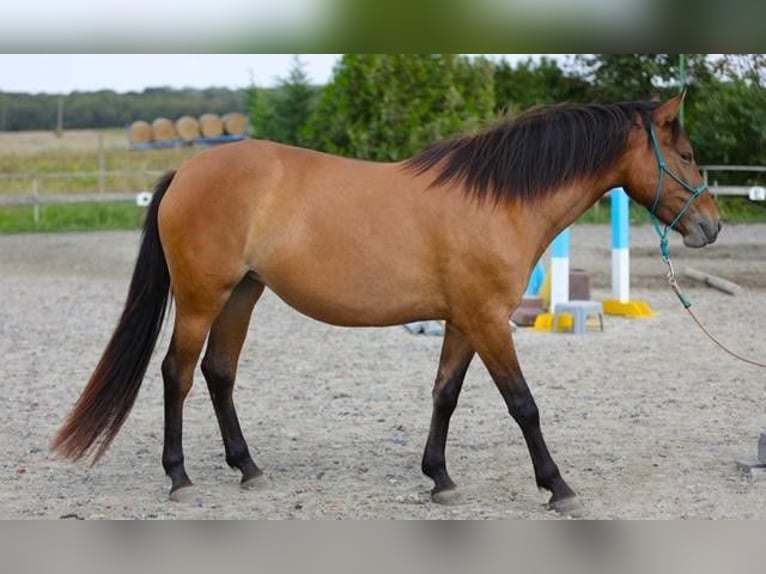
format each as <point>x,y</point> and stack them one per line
<point>569,506</point>
<point>447,497</point>
<point>254,483</point>
<point>185,494</point>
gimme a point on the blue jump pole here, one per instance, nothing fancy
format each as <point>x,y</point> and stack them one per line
<point>560,269</point>
<point>620,302</point>
<point>620,245</point>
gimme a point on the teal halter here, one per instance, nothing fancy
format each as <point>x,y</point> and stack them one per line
<point>663,233</point>
<point>695,193</point>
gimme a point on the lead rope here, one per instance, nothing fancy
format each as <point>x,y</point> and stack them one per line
<point>687,305</point>
<point>665,247</point>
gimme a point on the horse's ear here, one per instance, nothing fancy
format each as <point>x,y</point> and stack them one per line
<point>666,113</point>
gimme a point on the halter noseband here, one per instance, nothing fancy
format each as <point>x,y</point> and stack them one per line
<point>695,193</point>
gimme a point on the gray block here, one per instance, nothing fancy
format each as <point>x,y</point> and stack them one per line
<point>751,468</point>
<point>747,464</point>
<point>762,448</point>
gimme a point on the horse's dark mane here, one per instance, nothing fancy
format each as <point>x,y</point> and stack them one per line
<point>533,154</point>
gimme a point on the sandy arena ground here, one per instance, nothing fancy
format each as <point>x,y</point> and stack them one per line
<point>645,420</point>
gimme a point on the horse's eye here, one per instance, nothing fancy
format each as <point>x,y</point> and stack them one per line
<point>686,156</point>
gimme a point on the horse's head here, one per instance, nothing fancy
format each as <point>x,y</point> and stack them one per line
<point>664,177</point>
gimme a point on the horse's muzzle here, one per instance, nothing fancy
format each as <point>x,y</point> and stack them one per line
<point>701,231</point>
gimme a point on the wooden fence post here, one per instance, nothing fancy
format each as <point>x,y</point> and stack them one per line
<point>36,204</point>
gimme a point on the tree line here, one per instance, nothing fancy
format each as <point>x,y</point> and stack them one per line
<point>106,108</point>
<point>389,106</point>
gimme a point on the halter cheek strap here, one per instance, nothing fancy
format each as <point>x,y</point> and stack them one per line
<point>694,191</point>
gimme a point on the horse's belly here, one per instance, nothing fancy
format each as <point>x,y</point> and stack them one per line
<point>357,301</point>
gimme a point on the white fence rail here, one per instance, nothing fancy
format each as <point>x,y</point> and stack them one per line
<point>37,183</point>
<point>38,197</point>
<point>752,192</point>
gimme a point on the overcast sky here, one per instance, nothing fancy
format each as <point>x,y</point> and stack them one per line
<point>63,73</point>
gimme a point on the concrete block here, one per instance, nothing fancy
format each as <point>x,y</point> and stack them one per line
<point>752,468</point>
<point>579,285</point>
<point>745,464</point>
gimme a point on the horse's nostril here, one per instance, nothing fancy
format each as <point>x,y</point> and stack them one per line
<point>710,229</point>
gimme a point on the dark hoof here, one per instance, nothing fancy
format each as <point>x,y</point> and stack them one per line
<point>447,497</point>
<point>185,494</point>
<point>257,482</point>
<point>569,506</point>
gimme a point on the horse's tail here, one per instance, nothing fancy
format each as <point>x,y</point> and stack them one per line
<point>109,395</point>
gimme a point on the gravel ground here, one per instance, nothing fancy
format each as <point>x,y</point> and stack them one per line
<point>645,420</point>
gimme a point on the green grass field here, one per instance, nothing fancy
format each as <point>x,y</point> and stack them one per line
<point>57,170</point>
<point>78,217</point>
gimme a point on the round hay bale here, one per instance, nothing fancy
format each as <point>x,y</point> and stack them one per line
<point>163,130</point>
<point>211,125</point>
<point>140,132</point>
<point>235,124</point>
<point>187,128</point>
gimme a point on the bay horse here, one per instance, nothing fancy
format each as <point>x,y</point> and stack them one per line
<point>452,234</point>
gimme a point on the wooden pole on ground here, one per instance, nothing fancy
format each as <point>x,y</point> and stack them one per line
<point>101,164</point>
<point>713,281</point>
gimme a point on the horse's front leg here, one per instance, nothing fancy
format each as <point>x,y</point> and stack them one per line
<point>491,337</point>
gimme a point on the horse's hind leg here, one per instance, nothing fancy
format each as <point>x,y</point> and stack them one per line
<point>455,358</point>
<point>191,328</point>
<point>220,368</point>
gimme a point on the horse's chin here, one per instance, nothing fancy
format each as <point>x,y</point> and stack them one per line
<point>696,240</point>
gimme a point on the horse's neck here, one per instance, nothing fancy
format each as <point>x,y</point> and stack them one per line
<point>555,213</point>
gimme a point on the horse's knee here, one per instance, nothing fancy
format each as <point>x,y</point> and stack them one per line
<point>218,373</point>
<point>445,400</point>
<point>523,409</point>
<point>445,395</point>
